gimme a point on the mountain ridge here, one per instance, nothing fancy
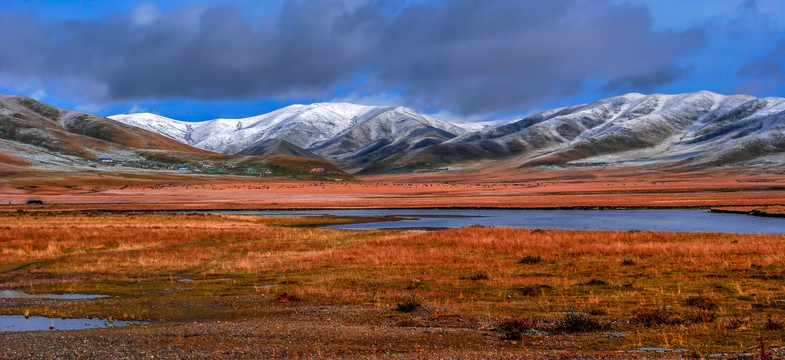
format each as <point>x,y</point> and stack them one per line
<point>340,132</point>
<point>37,137</point>
<point>695,129</point>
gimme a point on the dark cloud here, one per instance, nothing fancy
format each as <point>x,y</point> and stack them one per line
<point>469,57</point>
<point>766,74</point>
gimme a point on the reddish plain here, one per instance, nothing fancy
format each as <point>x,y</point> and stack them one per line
<point>279,288</point>
<point>563,189</point>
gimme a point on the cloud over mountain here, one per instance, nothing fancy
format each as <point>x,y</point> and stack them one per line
<point>467,57</point>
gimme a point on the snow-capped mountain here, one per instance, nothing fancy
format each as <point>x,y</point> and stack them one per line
<point>301,125</point>
<point>696,129</point>
<point>44,138</point>
<point>341,132</point>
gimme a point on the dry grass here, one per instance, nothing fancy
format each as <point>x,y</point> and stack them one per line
<point>578,271</point>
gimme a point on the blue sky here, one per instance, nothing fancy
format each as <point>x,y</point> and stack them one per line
<point>465,60</point>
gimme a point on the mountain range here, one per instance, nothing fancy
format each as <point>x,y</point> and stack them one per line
<point>694,130</point>
<point>686,131</point>
<point>38,137</point>
<point>352,136</point>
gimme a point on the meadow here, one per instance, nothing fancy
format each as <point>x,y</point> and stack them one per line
<point>474,291</point>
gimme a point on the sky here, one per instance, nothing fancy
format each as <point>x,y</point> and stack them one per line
<point>462,60</point>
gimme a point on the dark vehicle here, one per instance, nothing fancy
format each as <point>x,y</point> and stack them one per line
<point>32,201</point>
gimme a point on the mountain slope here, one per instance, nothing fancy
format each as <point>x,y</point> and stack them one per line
<point>30,122</point>
<point>697,129</point>
<point>301,125</point>
<point>277,147</point>
<point>701,129</point>
<point>34,135</point>
<point>389,132</point>
<point>351,135</point>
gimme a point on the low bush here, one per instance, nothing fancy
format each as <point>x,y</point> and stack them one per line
<point>530,259</point>
<point>700,317</point>
<point>479,275</point>
<point>596,282</point>
<point>702,302</point>
<point>772,325</point>
<point>512,329</point>
<point>576,323</point>
<point>529,290</point>
<point>408,304</point>
<point>285,298</point>
<point>652,317</point>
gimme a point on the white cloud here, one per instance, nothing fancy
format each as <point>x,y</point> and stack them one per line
<point>38,94</point>
<point>145,13</point>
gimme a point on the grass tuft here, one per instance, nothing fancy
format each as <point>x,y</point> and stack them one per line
<point>286,298</point>
<point>408,304</point>
<point>513,329</point>
<point>652,317</point>
<point>479,275</point>
<point>773,325</point>
<point>530,259</point>
<point>577,323</point>
<point>702,302</point>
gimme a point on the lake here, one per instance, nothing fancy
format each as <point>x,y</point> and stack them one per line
<point>667,220</point>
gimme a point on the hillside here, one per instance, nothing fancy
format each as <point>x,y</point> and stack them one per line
<point>352,136</point>
<point>38,137</point>
<point>697,130</point>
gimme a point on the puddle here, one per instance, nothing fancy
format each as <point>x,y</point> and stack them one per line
<point>15,294</point>
<point>185,280</point>
<point>659,350</point>
<point>264,286</point>
<point>19,323</point>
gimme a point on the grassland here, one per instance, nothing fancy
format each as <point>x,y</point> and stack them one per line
<point>280,287</point>
<point>637,188</point>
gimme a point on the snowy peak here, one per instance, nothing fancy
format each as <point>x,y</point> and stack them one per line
<point>695,129</point>
<point>303,126</point>
<point>174,129</point>
<point>631,129</point>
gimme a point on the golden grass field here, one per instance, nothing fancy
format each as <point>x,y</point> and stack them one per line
<point>472,292</point>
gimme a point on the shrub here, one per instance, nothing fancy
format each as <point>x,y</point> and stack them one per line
<point>285,298</point>
<point>628,262</point>
<point>408,304</point>
<point>598,312</point>
<point>772,325</point>
<point>652,317</point>
<point>736,323</point>
<point>701,316</point>
<point>512,329</point>
<point>597,282</point>
<point>480,275</point>
<point>530,290</point>
<point>530,259</point>
<point>576,323</point>
<point>702,302</point>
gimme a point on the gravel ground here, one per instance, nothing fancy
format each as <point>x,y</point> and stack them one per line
<point>325,332</point>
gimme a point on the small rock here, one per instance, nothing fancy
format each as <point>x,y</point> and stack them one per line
<point>535,332</point>
<point>614,335</point>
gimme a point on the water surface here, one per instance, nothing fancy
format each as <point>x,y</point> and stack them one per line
<point>15,294</point>
<point>667,220</point>
<point>20,323</point>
